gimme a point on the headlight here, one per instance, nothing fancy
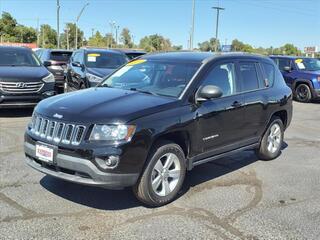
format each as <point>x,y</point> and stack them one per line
<point>93,78</point>
<point>49,78</point>
<point>112,132</point>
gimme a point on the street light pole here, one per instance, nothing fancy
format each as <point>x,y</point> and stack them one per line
<point>58,23</point>
<point>192,26</point>
<point>217,26</point>
<point>76,23</point>
<point>67,30</point>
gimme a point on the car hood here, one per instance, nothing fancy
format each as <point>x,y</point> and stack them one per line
<point>101,72</point>
<point>102,105</point>
<point>9,73</point>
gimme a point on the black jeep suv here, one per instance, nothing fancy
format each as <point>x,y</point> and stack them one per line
<point>24,81</point>
<point>157,117</point>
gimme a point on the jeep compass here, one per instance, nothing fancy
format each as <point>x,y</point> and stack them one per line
<point>159,116</point>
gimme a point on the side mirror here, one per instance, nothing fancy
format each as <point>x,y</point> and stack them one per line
<point>47,63</point>
<point>208,92</point>
<point>287,69</point>
<point>76,64</point>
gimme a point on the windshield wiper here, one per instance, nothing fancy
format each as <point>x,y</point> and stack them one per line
<point>142,91</point>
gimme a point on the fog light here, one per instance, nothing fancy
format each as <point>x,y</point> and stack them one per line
<point>49,93</point>
<point>108,162</point>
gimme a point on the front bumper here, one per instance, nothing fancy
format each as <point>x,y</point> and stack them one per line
<point>78,170</point>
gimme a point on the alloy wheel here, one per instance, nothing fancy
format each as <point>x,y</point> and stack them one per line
<point>166,174</point>
<point>274,138</point>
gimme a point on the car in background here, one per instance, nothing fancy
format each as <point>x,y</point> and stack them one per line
<point>88,67</point>
<point>132,53</point>
<point>302,75</point>
<point>24,81</point>
<point>55,60</point>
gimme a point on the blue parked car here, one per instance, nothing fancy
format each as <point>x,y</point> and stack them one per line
<point>302,74</point>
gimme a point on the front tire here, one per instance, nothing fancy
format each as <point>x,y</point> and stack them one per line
<point>303,93</point>
<point>163,176</point>
<point>272,140</point>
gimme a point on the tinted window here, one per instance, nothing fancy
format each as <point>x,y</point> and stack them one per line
<point>156,77</point>
<point>77,57</point>
<point>282,62</point>
<point>269,72</point>
<point>60,56</point>
<point>222,76</point>
<point>104,60</point>
<point>249,76</point>
<point>18,57</point>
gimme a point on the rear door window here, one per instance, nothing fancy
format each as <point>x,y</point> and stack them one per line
<point>249,76</point>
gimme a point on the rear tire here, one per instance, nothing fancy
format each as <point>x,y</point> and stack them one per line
<point>303,93</point>
<point>272,140</point>
<point>163,175</point>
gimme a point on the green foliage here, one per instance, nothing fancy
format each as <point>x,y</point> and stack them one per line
<point>11,31</point>
<point>153,43</point>
<point>48,36</point>
<point>209,46</point>
<point>125,38</point>
<point>97,40</point>
<point>70,29</point>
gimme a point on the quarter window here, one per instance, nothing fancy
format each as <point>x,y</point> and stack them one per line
<point>269,72</point>
<point>222,76</point>
<point>249,76</point>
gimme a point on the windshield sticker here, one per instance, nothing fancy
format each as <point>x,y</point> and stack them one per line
<point>136,62</point>
<point>301,65</point>
<point>92,59</point>
<point>299,60</point>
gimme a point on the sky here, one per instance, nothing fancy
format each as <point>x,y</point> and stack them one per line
<point>257,22</point>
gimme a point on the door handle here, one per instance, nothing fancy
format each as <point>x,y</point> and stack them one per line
<point>236,104</point>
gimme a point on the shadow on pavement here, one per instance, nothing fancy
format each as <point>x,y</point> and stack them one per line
<point>123,199</point>
<point>13,113</point>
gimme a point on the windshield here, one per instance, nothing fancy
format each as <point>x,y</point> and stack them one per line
<point>18,57</point>
<point>60,56</point>
<point>308,64</point>
<point>154,77</point>
<point>104,60</point>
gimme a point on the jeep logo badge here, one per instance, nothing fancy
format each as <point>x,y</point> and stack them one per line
<point>56,115</point>
<point>20,85</point>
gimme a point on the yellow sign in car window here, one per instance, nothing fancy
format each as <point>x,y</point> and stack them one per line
<point>136,62</point>
<point>94,55</point>
<point>299,60</point>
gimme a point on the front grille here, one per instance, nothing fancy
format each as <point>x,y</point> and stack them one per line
<point>21,87</point>
<point>57,132</point>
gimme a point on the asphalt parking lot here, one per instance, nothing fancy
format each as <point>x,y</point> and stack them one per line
<point>238,197</point>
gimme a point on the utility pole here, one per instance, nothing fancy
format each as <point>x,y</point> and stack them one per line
<point>112,26</point>
<point>76,24</point>
<point>217,26</point>
<point>117,29</point>
<point>67,31</point>
<point>38,33</point>
<point>58,23</point>
<point>92,32</point>
<point>192,26</point>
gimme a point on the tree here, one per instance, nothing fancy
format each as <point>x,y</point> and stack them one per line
<point>154,43</point>
<point>97,40</point>
<point>25,34</point>
<point>210,45</point>
<point>177,47</point>
<point>125,38</point>
<point>238,46</point>
<point>48,36</point>
<point>110,41</point>
<point>70,28</point>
